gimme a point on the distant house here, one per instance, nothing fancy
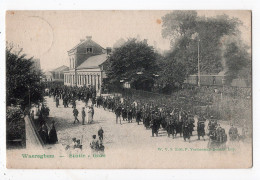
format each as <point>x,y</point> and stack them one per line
<point>87,64</point>
<point>58,73</point>
<point>48,76</point>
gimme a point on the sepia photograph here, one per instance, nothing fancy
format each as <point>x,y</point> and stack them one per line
<point>128,89</point>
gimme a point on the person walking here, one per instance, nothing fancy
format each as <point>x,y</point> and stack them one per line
<point>83,114</point>
<point>100,134</point>
<point>75,114</point>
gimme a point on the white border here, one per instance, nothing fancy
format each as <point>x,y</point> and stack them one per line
<point>134,5</point>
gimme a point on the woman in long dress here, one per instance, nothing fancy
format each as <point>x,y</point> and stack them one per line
<point>90,117</point>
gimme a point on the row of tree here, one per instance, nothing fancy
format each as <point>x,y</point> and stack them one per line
<point>216,39</point>
<point>23,85</point>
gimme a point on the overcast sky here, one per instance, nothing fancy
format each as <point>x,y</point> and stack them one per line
<point>48,35</point>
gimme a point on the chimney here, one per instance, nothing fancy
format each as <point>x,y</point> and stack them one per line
<point>109,50</point>
<point>88,37</point>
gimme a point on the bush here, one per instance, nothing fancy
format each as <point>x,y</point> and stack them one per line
<point>15,125</point>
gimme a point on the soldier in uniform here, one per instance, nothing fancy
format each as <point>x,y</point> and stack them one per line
<point>233,133</point>
<point>118,113</point>
<point>138,115</point>
<point>191,123</point>
<point>124,113</point>
<point>219,133</point>
<point>75,114</point>
<point>154,123</point>
<point>186,130</point>
<point>201,128</point>
<point>100,134</point>
<point>130,114</point>
<point>57,101</point>
<point>170,125</point>
<point>83,114</point>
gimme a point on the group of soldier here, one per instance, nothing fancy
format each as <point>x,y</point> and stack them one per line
<point>69,95</point>
<point>154,115</point>
<point>174,121</point>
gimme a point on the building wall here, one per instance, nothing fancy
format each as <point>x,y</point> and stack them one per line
<point>90,77</point>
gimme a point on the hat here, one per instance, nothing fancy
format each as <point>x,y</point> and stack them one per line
<point>94,136</point>
<point>73,139</point>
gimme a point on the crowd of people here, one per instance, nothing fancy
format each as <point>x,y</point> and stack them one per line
<point>175,115</point>
<point>155,116</point>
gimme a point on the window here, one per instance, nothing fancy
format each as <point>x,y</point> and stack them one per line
<point>89,50</point>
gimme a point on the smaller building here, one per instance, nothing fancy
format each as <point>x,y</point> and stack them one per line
<point>58,73</point>
<point>48,76</point>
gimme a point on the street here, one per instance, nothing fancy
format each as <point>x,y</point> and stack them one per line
<point>128,136</point>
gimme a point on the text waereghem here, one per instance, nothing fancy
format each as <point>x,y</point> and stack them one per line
<point>37,156</point>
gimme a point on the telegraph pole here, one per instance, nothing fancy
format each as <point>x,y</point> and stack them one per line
<point>199,62</point>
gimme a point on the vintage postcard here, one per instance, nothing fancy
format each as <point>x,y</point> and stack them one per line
<point>129,89</point>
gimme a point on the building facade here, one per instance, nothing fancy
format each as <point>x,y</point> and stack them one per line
<point>86,64</point>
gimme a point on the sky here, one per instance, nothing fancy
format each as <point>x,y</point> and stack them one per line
<point>48,35</point>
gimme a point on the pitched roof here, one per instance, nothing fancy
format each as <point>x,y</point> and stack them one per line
<point>87,42</point>
<point>61,68</point>
<point>93,62</point>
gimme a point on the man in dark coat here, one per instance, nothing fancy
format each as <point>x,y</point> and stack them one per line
<point>118,112</point>
<point>155,124</point>
<point>130,114</point>
<point>75,114</point>
<point>83,114</point>
<point>233,133</point>
<point>186,130</point>
<point>100,134</point>
<point>201,129</point>
<point>57,101</point>
<point>138,116</point>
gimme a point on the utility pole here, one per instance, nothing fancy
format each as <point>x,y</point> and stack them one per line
<point>198,62</point>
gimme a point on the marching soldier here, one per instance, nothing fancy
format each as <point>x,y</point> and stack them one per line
<point>233,133</point>
<point>83,113</point>
<point>100,134</point>
<point>201,128</point>
<point>118,113</point>
<point>170,125</point>
<point>124,113</point>
<point>138,115</point>
<point>130,114</point>
<point>57,101</point>
<point>186,130</point>
<point>75,114</point>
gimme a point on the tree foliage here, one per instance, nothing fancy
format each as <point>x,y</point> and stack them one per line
<point>238,62</point>
<point>188,31</point>
<point>134,62</point>
<point>22,80</point>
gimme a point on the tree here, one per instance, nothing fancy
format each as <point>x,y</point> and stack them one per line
<point>181,26</point>
<point>22,80</point>
<point>238,62</point>
<point>134,62</point>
